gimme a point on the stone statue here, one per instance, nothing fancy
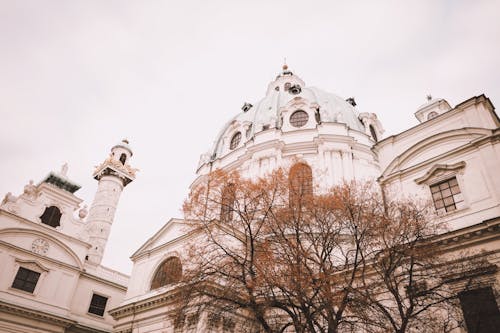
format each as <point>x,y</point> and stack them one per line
<point>9,203</point>
<point>9,197</point>
<point>64,169</point>
<point>30,190</point>
<point>82,213</point>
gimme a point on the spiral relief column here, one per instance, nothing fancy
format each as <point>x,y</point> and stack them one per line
<point>113,175</point>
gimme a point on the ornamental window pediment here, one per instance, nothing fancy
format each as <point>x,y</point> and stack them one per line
<point>445,186</point>
<point>440,172</point>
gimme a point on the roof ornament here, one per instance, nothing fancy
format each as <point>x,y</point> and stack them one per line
<point>286,71</point>
<point>351,101</point>
<point>64,169</point>
<point>125,141</point>
<point>429,97</point>
<point>247,106</point>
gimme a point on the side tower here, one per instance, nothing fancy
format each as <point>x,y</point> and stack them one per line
<point>113,175</point>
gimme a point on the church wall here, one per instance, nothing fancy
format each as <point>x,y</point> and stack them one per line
<point>473,113</point>
<point>338,148</point>
<point>144,269</point>
<point>82,295</point>
<point>46,252</point>
<point>54,288</point>
<point>477,181</point>
<point>14,226</point>
<point>334,152</point>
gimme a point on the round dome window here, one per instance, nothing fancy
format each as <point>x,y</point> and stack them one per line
<point>299,118</point>
<point>235,141</point>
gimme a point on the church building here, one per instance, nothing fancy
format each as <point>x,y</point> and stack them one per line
<point>51,249</point>
<point>451,158</point>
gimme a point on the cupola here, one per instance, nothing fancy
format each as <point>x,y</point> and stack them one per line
<point>432,108</point>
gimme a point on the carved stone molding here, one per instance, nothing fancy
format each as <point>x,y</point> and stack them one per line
<point>440,169</point>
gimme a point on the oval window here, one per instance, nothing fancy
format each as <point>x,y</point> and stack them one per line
<point>299,118</point>
<point>432,115</point>
<point>235,141</point>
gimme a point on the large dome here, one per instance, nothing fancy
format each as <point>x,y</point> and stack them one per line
<point>287,88</point>
<point>291,124</point>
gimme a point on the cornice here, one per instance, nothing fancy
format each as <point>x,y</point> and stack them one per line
<point>481,232</point>
<point>104,281</point>
<point>437,167</point>
<point>167,298</point>
<point>481,99</point>
<point>383,179</point>
<point>64,196</point>
<point>36,315</point>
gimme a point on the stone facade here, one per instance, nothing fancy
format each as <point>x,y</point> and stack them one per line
<point>451,158</point>
<point>459,145</point>
<point>50,251</point>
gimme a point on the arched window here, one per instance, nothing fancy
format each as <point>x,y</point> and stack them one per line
<point>300,182</point>
<point>374,134</point>
<point>51,216</point>
<point>170,271</point>
<point>123,158</point>
<point>235,141</point>
<point>227,202</point>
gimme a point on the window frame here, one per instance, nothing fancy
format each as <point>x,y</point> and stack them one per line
<point>457,204</point>
<point>300,183</point>
<point>235,140</point>
<point>58,221</point>
<point>439,173</point>
<point>160,267</point>
<point>36,283</point>
<point>105,304</point>
<point>481,316</point>
<point>297,123</point>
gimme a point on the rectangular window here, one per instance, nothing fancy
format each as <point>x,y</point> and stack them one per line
<point>98,304</point>
<point>26,280</point>
<point>480,310</point>
<point>446,195</point>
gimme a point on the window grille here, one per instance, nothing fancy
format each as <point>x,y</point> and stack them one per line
<point>446,195</point>
<point>235,141</point>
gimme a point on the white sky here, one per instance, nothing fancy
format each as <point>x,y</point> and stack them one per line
<point>78,76</point>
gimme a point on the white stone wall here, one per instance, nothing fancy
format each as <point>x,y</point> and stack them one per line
<point>463,135</point>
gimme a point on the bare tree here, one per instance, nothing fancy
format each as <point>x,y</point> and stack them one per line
<point>404,288</point>
<point>273,252</point>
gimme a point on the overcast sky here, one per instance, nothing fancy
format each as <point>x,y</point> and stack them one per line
<point>76,77</point>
